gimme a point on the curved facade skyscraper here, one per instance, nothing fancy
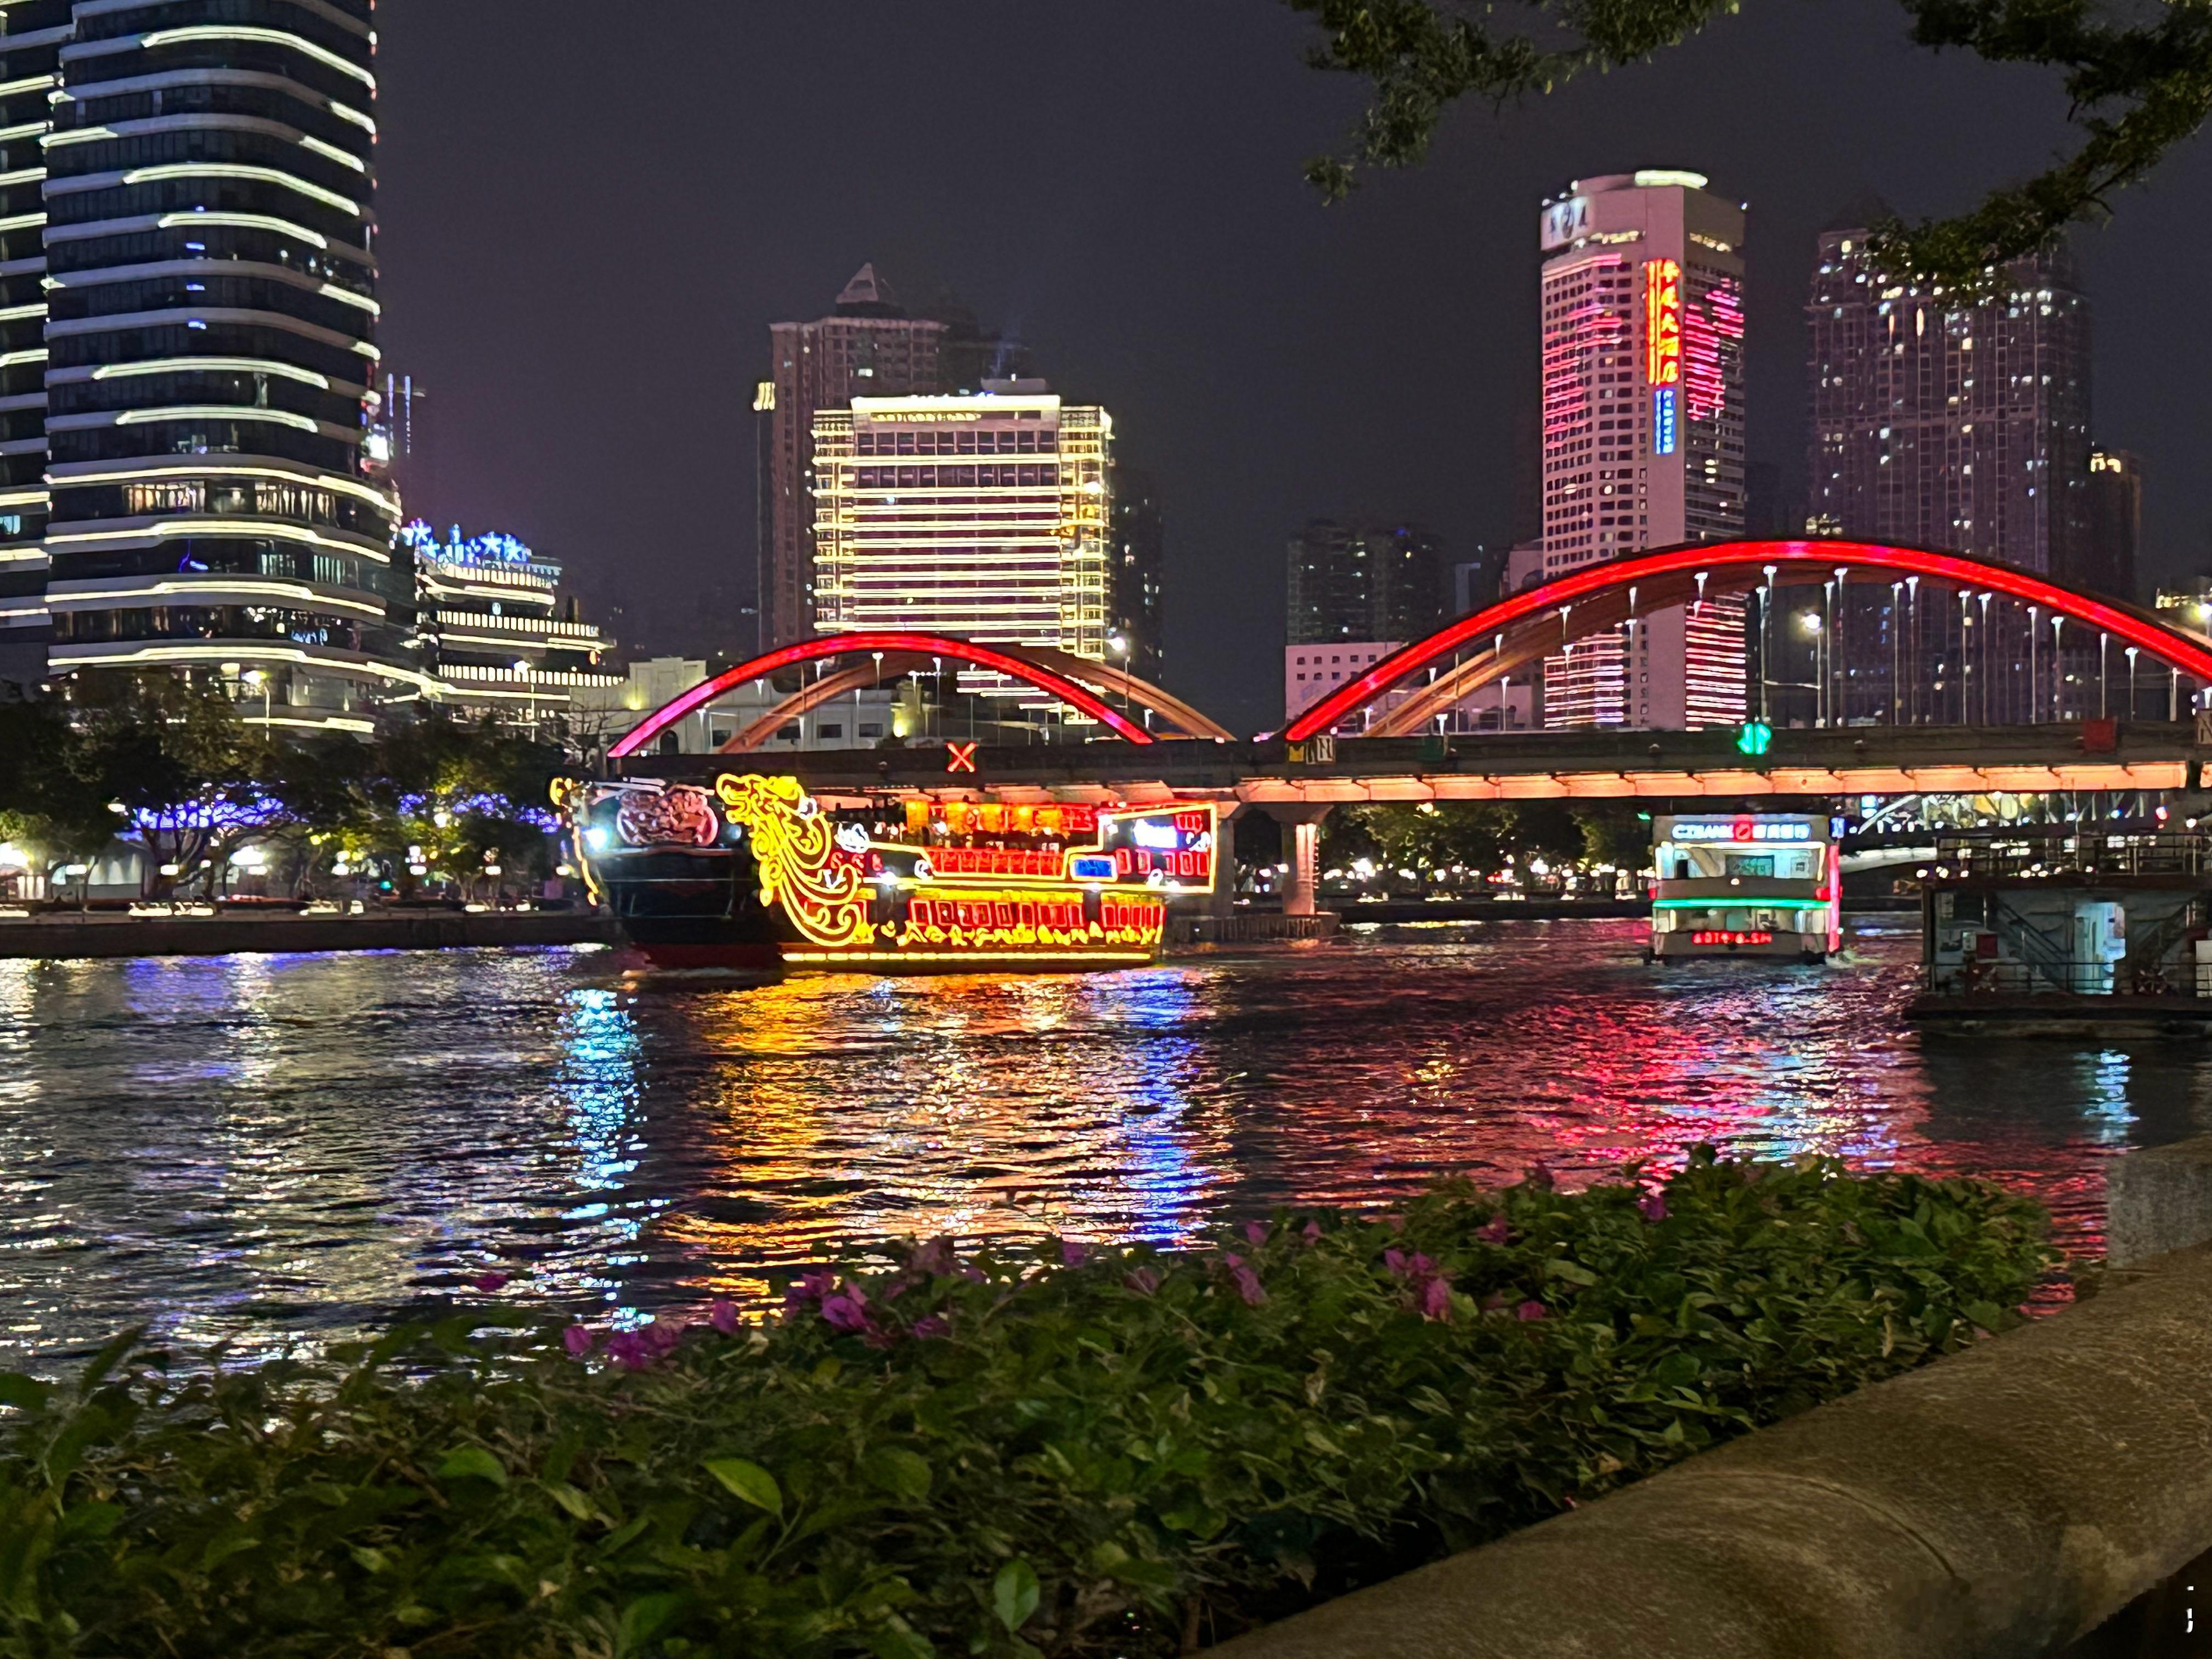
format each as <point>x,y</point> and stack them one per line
<point>187,349</point>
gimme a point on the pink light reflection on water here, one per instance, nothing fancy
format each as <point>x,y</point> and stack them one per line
<point>262,1149</point>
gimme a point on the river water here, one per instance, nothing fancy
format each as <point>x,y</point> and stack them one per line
<point>272,1149</point>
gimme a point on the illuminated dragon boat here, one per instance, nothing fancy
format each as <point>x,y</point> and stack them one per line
<point>754,876</point>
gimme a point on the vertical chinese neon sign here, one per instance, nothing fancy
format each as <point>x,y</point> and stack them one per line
<point>1663,348</point>
<point>1662,322</point>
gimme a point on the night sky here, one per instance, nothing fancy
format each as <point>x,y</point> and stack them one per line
<point>591,214</point>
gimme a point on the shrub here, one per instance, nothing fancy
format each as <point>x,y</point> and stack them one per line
<point>1090,1451</point>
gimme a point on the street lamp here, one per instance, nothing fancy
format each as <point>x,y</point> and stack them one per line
<point>1117,645</point>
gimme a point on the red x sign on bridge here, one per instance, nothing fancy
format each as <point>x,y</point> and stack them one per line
<point>960,756</point>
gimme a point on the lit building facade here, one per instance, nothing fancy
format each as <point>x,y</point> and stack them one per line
<point>868,346</point>
<point>1365,580</point>
<point>187,351</point>
<point>1643,434</point>
<point>1960,427</point>
<point>505,644</point>
<point>985,517</point>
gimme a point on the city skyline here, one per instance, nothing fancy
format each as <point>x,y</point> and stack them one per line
<point>1265,361</point>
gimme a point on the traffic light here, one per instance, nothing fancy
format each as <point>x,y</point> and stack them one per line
<point>1754,737</point>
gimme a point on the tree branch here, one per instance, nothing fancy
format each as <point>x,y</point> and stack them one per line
<point>2135,91</point>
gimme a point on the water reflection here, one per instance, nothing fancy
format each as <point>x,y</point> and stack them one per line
<point>280,1148</point>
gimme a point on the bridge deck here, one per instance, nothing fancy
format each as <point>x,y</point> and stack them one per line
<point>1876,760</point>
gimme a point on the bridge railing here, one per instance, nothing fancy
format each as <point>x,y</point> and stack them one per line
<point>2084,849</point>
<point>2005,977</point>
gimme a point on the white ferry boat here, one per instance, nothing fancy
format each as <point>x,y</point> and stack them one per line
<point>1748,885</point>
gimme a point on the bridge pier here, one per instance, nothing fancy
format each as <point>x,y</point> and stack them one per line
<point>1303,820</point>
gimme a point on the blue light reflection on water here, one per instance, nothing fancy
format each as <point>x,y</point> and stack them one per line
<point>286,1148</point>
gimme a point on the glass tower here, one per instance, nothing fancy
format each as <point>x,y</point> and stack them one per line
<point>188,361</point>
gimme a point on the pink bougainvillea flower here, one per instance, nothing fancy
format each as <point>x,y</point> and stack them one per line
<point>663,1336</point>
<point>848,1311</point>
<point>1073,1252</point>
<point>1256,1231</point>
<point>1528,1310</point>
<point>1494,1230</point>
<point>722,1315</point>
<point>1312,1234</point>
<point>629,1349</point>
<point>580,1339</point>
<point>806,1290</point>
<point>1248,1282</point>
<point>1395,1261</point>
<point>1142,1280</point>
<point>932,1325</point>
<point>489,1282</point>
<point>1436,1299</point>
<point>1652,1207</point>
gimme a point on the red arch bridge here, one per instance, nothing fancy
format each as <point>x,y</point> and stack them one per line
<point>1162,749</point>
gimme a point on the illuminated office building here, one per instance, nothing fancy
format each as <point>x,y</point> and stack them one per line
<point>867,346</point>
<point>986,517</point>
<point>1959,426</point>
<point>187,356</point>
<point>1643,444</point>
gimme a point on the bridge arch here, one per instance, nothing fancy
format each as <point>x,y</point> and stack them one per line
<point>1058,674</point>
<point>1524,628</point>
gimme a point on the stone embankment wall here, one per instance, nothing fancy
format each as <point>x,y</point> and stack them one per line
<point>58,939</point>
<point>1999,1503</point>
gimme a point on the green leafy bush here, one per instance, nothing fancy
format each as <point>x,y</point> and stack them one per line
<point>1091,1451</point>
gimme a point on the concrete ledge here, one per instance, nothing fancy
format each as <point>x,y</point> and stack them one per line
<point>222,936</point>
<point>1254,927</point>
<point>1997,1504</point>
<point>2157,1199</point>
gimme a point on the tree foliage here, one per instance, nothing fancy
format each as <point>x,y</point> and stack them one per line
<point>2137,86</point>
<point>192,782</point>
<point>1484,835</point>
<point>1083,1453</point>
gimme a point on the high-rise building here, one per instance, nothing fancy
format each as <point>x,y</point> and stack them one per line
<point>1364,579</point>
<point>1943,424</point>
<point>1135,575</point>
<point>987,517</point>
<point>2115,526</point>
<point>34,35</point>
<point>866,347</point>
<point>187,326</point>
<point>1643,434</point>
<point>1958,424</point>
